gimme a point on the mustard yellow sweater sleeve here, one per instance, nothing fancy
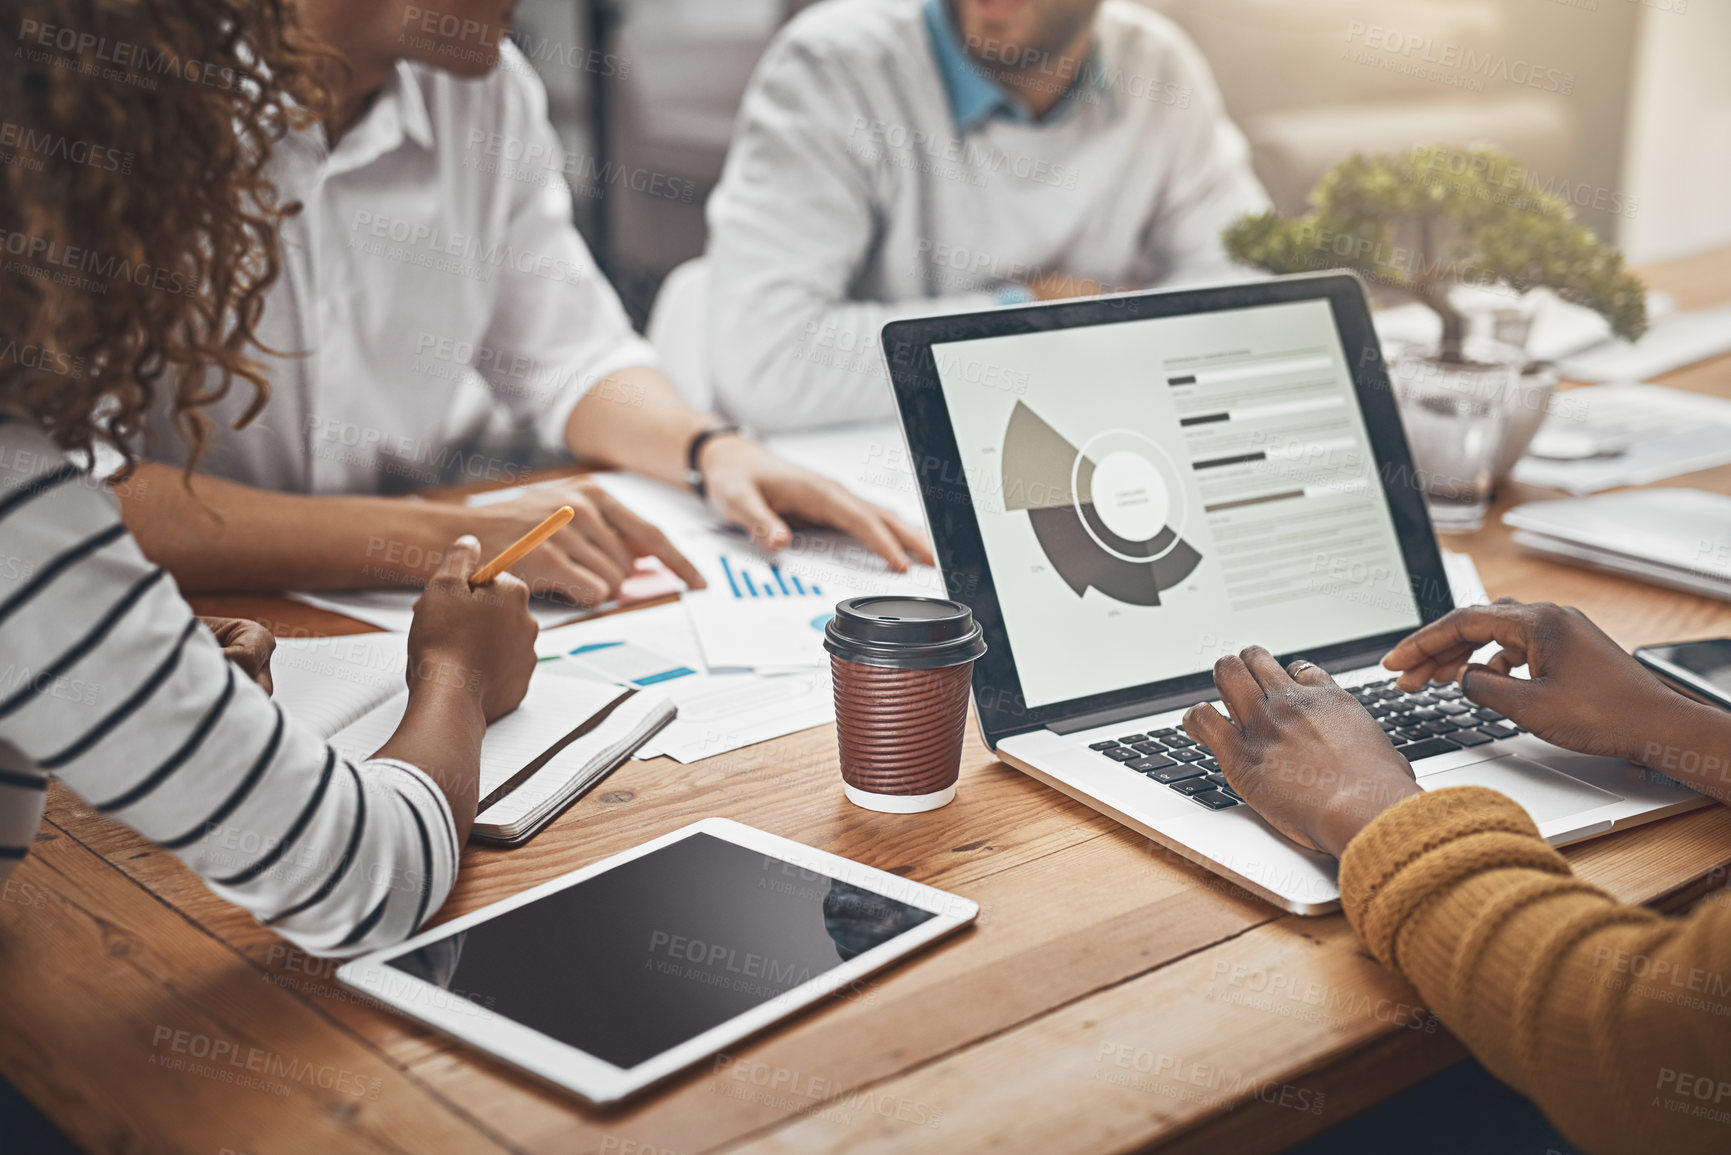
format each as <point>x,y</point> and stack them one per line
<point>1616,1021</point>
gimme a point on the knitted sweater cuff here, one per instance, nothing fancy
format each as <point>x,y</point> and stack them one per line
<point>1416,850</point>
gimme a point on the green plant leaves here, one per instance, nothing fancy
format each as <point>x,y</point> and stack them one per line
<point>1437,216</point>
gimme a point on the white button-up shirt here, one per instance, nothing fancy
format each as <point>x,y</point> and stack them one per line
<point>435,255</point>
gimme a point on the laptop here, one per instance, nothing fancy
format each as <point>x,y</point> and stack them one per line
<point>1126,488</point>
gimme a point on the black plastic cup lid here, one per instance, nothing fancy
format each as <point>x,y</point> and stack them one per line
<point>903,632</point>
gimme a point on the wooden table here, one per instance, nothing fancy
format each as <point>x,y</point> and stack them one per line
<point>1111,996</point>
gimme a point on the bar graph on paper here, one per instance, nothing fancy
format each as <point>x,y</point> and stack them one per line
<point>746,581</point>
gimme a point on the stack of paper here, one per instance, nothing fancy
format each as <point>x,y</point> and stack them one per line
<point>718,712</point>
<point>1672,537</point>
<point>1671,342</point>
<point>1618,435</point>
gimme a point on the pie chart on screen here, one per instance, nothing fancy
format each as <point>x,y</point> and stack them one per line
<point>1108,514</point>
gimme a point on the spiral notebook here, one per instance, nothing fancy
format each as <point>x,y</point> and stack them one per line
<point>568,734</point>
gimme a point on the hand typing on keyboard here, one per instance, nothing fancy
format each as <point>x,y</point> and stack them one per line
<point>1303,752</point>
<point>1584,694</point>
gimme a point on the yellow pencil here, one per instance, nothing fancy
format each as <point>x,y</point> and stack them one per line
<point>522,547</point>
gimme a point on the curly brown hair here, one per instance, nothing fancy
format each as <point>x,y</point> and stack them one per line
<point>138,224</point>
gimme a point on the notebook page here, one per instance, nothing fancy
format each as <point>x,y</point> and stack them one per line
<point>551,709</point>
<point>619,732</point>
<point>329,683</point>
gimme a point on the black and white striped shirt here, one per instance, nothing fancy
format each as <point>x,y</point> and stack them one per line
<point>109,683</point>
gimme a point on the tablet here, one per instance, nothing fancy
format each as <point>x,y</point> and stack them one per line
<point>606,979</point>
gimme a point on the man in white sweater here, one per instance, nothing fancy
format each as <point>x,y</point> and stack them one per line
<point>898,158</point>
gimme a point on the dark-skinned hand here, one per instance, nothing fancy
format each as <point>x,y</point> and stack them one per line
<point>481,638</point>
<point>247,644</point>
<point>1299,749</point>
<point>1585,692</point>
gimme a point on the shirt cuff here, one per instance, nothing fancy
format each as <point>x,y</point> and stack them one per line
<point>631,352</point>
<point>1013,294</point>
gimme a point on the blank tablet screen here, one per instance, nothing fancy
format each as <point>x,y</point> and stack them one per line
<point>643,957</point>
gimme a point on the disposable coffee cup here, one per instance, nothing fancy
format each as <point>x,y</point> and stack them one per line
<point>901,669</point>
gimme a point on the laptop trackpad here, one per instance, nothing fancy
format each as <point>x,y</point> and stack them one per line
<point>1542,792</point>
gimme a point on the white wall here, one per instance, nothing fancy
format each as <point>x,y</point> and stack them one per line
<point>1678,162</point>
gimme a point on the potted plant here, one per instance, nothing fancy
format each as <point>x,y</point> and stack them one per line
<point>1435,218</point>
<point>1421,223</point>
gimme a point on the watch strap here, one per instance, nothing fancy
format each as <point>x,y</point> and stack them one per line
<point>694,475</point>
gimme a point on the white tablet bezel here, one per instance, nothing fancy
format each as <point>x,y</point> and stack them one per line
<point>600,1081</point>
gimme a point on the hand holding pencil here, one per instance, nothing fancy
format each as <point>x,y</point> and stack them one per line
<point>523,546</point>
<point>469,638</point>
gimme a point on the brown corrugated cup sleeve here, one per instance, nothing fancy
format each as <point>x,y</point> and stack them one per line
<point>902,667</point>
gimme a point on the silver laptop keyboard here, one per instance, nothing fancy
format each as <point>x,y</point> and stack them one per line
<point>1423,724</point>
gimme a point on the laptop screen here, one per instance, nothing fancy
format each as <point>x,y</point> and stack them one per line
<point>1154,493</point>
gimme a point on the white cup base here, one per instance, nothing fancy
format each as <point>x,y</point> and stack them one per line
<point>900,803</point>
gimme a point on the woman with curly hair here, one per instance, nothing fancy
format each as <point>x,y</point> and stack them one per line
<point>432,281</point>
<point>138,237</point>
